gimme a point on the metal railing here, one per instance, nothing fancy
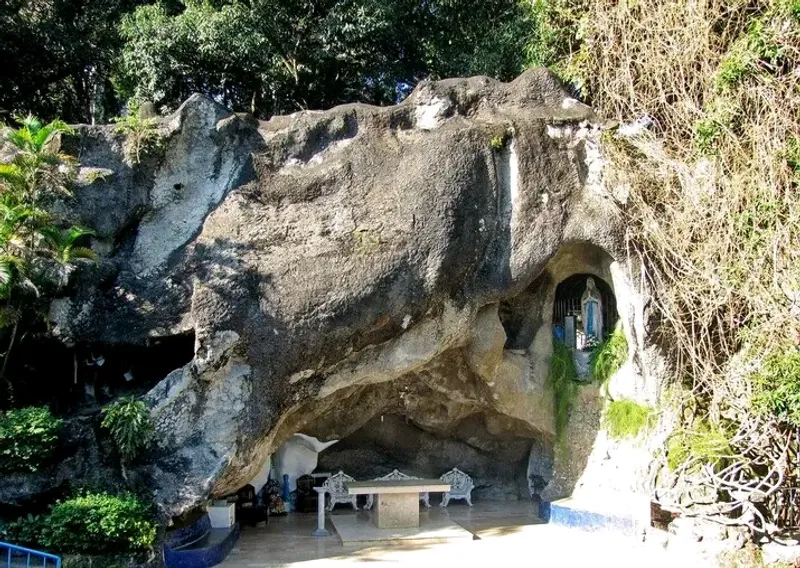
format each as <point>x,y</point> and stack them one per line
<point>12,556</point>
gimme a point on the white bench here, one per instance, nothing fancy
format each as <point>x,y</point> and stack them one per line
<point>393,476</point>
<point>398,500</point>
<point>460,486</point>
<point>336,487</point>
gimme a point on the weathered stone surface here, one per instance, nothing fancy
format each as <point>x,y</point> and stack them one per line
<point>339,265</point>
<point>79,460</point>
<point>496,461</point>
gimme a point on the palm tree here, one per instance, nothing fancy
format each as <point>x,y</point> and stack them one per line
<point>35,249</point>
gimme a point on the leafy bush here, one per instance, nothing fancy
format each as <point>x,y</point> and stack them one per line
<point>607,357</point>
<point>130,425</point>
<point>28,437</point>
<point>25,531</point>
<point>99,523</point>
<point>141,134</point>
<point>563,379</point>
<point>777,386</point>
<point>96,523</point>
<point>627,418</point>
<point>704,444</point>
<point>497,142</point>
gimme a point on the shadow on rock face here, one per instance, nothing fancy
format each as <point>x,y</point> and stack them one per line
<point>348,261</point>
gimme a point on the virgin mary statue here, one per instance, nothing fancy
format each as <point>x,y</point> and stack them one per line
<point>592,311</point>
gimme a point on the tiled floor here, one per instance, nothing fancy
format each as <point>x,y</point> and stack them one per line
<point>288,540</point>
<point>507,534</point>
<point>355,529</point>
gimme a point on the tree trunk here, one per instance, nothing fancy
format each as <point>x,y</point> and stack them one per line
<point>9,385</point>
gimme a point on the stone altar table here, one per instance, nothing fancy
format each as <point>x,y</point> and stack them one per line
<point>397,500</point>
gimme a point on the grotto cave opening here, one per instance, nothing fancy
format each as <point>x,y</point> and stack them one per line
<point>92,373</point>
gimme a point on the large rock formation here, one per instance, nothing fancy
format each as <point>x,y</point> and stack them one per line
<point>335,266</point>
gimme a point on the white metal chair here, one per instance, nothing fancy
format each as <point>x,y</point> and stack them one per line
<point>336,487</point>
<point>395,475</point>
<point>460,486</point>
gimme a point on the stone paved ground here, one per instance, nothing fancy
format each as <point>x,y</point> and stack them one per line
<point>508,534</point>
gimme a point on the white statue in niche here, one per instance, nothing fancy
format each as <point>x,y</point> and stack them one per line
<point>592,312</point>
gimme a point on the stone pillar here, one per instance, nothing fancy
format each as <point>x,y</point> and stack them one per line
<point>397,510</point>
<point>320,512</point>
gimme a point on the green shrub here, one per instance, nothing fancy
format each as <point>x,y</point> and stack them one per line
<point>706,443</point>
<point>28,437</point>
<point>777,386</point>
<point>25,531</point>
<point>141,134</point>
<point>99,523</point>
<point>627,418</point>
<point>734,68</point>
<point>497,142</point>
<point>563,379</point>
<point>607,358</point>
<point>131,427</point>
<point>792,153</point>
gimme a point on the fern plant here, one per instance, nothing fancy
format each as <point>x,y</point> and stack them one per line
<point>128,421</point>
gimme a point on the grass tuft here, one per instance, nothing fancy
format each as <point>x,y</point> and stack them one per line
<point>563,379</point>
<point>607,358</point>
<point>627,418</point>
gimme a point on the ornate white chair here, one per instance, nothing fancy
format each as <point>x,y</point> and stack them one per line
<point>336,487</point>
<point>460,486</point>
<point>395,475</point>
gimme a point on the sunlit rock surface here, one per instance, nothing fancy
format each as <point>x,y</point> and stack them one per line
<point>341,265</point>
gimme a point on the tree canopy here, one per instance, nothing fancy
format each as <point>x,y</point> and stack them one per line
<point>81,60</point>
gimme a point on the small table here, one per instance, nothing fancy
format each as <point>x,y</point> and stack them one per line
<point>397,500</point>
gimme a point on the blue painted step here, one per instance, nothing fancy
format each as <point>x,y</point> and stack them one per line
<point>198,545</point>
<point>628,517</point>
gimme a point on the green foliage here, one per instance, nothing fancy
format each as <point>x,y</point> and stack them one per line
<point>278,56</point>
<point>627,418</point>
<point>777,386</point>
<point>497,142</point>
<point>34,249</point>
<point>553,30</point>
<point>792,154</point>
<point>607,357</point>
<point>734,68</point>
<point>757,48</point>
<point>704,443</point>
<point>37,254</point>
<point>563,379</point>
<point>141,134</point>
<point>554,38</point>
<point>130,425</point>
<point>25,531</point>
<point>28,437</point>
<point>57,56</point>
<point>96,523</point>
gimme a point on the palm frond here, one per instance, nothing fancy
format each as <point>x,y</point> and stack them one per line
<point>75,232</point>
<point>6,274</point>
<point>77,254</point>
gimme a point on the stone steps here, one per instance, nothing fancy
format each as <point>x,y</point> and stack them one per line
<point>198,545</point>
